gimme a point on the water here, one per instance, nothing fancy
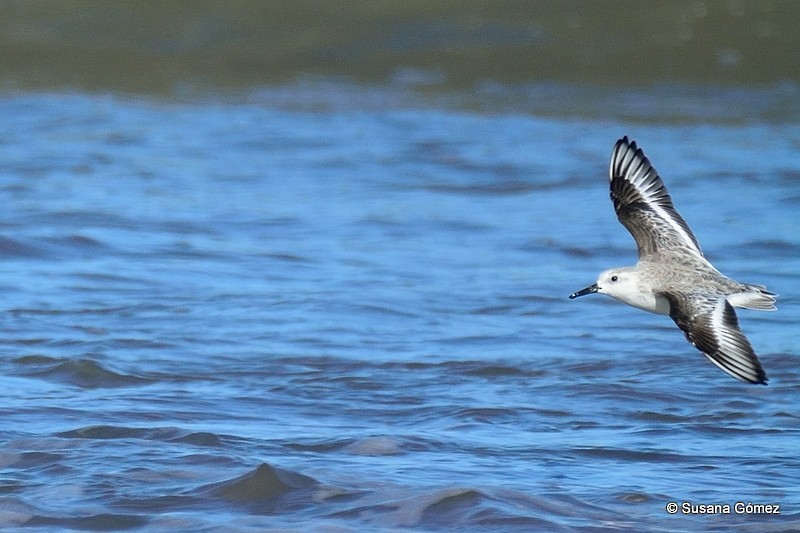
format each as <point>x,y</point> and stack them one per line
<point>347,310</point>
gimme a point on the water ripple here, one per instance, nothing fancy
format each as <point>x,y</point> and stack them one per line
<point>227,314</point>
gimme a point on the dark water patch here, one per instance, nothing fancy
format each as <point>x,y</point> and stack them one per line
<point>552,413</point>
<point>729,414</point>
<point>14,249</point>
<point>450,507</point>
<point>184,227</point>
<point>580,253</point>
<point>96,218</point>
<point>489,510</point>
<point>77,246</point>
<point>16,512</point>
<point>513,507</point>
<point>33,460</point>
<point>323,446</point>
<point>139,344</point>
<point>623,455</point>
<point>38,360</point>
<point>84,373</point>
<point>288,258</point>
<point>159,504</point>
<point>726,430</point>
<point>493,310</point>
<point>789,175</point>
<point>105,432</point>
<point>117,310</point>
<point>596,369</point>
<point>107,278</point>
<point>92,330</point>
<point>212,458</point>
<point>487,415</point>
<point>129,310</point>
<point>9,486</point>
<point>267,490</point>
<point>98,522</point>
<point>366,446</point>
<point>200,438</point>
<point>657,417</point>
<point>158,434</point>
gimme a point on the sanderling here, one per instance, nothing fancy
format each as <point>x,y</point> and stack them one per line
<point>672,277</point>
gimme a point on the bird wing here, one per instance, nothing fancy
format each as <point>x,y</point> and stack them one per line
<point>712,327</point>
<point>644,206</point>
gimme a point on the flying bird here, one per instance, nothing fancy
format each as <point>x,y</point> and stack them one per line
<point>672,276</point>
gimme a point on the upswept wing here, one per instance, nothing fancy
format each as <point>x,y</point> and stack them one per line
<point>644,206</point>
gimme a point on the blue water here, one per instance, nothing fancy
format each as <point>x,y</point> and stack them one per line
<point>351,314</point>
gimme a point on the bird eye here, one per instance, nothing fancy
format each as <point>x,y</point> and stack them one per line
<point>614,278</point>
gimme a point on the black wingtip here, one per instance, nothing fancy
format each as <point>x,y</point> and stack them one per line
<point>625,141</point>
<point>619,155</point>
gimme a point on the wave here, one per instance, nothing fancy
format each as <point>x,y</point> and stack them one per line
<point>85,373</point>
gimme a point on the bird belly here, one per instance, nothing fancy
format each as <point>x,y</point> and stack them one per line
<point>647,301</point>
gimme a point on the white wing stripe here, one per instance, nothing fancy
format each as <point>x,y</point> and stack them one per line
<point>685,236</point>
<point>730,343</point>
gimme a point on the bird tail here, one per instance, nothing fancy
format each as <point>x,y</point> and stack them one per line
<point>754,297</point>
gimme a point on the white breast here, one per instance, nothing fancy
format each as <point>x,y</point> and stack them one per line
<point>644,300</point>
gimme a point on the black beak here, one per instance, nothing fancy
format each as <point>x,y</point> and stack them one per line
<point>583,292</point>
